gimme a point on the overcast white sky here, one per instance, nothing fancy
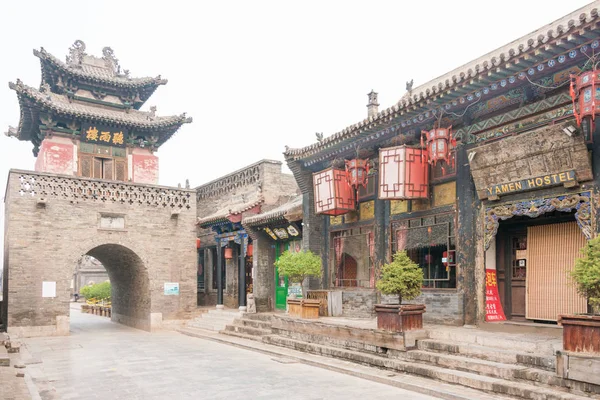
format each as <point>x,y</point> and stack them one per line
<point>257,75</point>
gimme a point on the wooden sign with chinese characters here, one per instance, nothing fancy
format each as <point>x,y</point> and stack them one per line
<point>493,307</point>
<point>104,135</point>
<point>532,183</point>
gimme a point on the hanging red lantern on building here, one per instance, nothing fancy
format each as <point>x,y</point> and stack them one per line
<point>357,171</point>
<point>439,142</point>
<point>250,250</point>
<point>585,94</point>
<point>333,193</point>
<point>403,173</point>
<point>228,253</point>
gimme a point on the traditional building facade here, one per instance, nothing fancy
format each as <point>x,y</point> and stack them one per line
<point>228,256</point>
<point>94,192</point>
<point>486,176</point>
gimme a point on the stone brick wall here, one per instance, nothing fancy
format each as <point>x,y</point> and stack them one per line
<point>264,273</point>
<point>358,303</point>
<point>443,307</point>
<point>53,220</point>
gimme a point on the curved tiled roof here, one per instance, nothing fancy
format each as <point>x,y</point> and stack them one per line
<point>459,76</point>
<point>230,210</point>
<point>294,206</point>
<point>97,74</point>
<point>61,104</point>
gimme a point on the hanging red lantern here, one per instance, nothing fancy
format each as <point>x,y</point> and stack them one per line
<point>250,250</point>
<point>228,253</point>
<point>439,142</point>
<point>197,243</point>
<point>333,193</point>
<point>357,171</point>
<point>585,89</point>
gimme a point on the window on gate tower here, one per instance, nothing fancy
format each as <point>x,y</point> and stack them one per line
<point>102,162</point>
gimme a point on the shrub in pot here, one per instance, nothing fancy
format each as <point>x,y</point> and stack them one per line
<point>581,332</point>
<point>404,279</point>
<point>298,266</point>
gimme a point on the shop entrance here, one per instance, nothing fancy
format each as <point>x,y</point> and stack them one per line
<point>533,258</point>
<point>281,282</point>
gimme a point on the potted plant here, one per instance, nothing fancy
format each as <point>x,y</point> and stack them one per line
<point>581,332</point>
<point>298,266</point>
<point>403,278</point>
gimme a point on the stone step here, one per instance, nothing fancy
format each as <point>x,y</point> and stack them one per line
<point>468,379</point>
<point>223,312</point>
<point>4,357</point>
<point>254,323</point>
<point>545,362</point>
<point>248,330</point>
<point>546,346</point>
<point>259,317</point>
<point>217,318</point>
<point>242,335</point>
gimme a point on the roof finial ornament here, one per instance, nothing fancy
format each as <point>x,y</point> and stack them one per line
<point>11,132</point>
<point>187,183</point>
<point>409,86</point>
<point>110,60</point>
<point>152,113</point>
<point>76,53</point>
<point>373,106</point>
<point>319,136</point>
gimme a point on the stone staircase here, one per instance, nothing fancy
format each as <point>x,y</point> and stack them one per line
<point>517,369</point>
<point>214,320</point>
<point>250,326</point>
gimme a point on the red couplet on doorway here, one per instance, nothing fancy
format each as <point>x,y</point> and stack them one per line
<point>493,307</point>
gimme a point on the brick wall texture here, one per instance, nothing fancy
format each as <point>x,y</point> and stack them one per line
<point>44,241</point>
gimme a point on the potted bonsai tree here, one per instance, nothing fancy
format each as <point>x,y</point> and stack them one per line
<point>298,266</point>
<point>581,333</point>
<point>402,278</point>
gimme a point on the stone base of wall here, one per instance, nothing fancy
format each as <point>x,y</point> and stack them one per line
<point>207,299</point>
<point>358,303</point>
<point>230,301</point>
<point>443,307</point>
<point>138,323</point>
<point>60,329</point>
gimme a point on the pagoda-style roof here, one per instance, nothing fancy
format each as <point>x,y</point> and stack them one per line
<point>556,45</point>
<point>290,211</point>
<point>232,211</point>
<point>34,101</point>
<point>101,74</point>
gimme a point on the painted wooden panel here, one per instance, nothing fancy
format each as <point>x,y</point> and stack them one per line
<point>552,250</point>
<point>367,210</point>
<point>444,194</point>
<point>398,206</point>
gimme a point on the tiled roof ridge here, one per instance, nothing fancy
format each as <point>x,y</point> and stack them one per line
<point>276,213</point>
<point>133,117</point>
<point>467,71</point>
<point>118,80</point>
<point>222,214</point>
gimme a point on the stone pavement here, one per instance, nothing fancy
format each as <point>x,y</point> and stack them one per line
<point>103,360</point>
<point>11,386</point>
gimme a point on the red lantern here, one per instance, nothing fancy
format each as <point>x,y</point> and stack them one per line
<point>403,173</point>
<point>357,171</point>
<point>250,250</point>
<point>439,141</point>
<point>197,243</point>
<point>333,193</point>
<point>585,88</point>
<point>228,253</point>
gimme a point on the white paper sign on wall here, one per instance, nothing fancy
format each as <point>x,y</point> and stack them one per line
<point>48,289</point>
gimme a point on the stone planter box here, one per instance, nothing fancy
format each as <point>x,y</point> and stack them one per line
<point>580,367</point>
<point>303,308</point>
<point>399,318</point>
<point>581,333</point>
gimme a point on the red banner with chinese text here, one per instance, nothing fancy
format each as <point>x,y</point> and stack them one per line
<point>493,307</point>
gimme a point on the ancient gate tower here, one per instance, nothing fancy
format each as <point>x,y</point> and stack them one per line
<point>93,192</point>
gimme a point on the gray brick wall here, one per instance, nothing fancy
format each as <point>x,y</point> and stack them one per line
<point>46,240</point>
<point>443,307</point>
<point>358,303</point>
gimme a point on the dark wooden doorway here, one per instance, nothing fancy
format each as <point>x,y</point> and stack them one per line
<point>512,271</point>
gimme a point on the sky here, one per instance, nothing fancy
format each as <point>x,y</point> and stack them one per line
<point>257,75</point>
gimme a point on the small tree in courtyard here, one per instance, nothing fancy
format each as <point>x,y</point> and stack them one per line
<point>586,274</point>
<point>401,277</point>
<point>299,266</point>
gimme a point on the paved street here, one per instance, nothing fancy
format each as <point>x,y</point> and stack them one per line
<point>103,360</point>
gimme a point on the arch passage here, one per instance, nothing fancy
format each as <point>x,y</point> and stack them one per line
<point>130,283</point>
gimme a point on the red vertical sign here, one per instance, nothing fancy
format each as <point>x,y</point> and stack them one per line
<point>493,307</point>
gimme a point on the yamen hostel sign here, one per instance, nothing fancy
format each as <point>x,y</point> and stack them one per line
<point>531,183</point>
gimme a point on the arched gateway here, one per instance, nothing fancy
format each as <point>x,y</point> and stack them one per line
<point>94,192</point>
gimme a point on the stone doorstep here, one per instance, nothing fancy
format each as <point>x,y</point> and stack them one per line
<point>468,379</point>
<point>247,330</point>
<point>254,323</point>
<point>266,317</point>
<point>207,326</point>
<point>242,335</point>
<point>413,383</point>
<point>216,317</point>
<point>491,354</point>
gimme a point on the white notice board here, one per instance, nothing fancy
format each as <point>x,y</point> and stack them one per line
<point>48,289</point>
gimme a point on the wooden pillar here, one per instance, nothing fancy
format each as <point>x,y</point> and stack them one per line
<point>242,274</point>
<point>219,275</point>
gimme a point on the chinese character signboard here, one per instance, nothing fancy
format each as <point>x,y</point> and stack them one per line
<point>104,135</point>
<point>493,307</point>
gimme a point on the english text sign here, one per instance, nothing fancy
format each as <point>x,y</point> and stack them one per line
<point>531,183</point>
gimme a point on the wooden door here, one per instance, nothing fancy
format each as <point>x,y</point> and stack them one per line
<point>552,252</point>
<point>518,275</point>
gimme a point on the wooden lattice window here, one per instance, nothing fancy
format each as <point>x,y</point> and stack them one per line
<point>102,167</point>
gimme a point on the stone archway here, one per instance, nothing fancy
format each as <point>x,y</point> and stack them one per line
<point>130,297</point>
